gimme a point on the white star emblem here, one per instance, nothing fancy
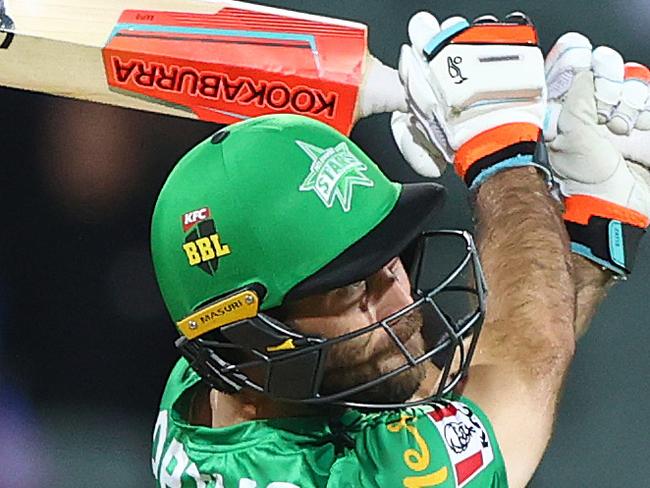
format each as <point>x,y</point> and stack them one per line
<point>334,173</point>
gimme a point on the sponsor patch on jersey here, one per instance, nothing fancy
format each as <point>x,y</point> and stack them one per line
<point>334,173</point>
<point>466,440</point>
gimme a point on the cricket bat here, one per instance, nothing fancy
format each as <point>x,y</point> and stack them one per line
<point>215,60</point>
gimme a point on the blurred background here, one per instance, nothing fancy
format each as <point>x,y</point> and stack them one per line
<point>85,342</point>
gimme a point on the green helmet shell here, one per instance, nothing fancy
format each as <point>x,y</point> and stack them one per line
<point>270,200</point>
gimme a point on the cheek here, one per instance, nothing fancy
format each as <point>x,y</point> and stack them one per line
<point>330,326</point>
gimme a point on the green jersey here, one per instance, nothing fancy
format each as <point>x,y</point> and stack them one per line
<point>446,444</point>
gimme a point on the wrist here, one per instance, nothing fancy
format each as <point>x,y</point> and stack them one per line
<point>501,148</point>
<point>505,189</point>
<point>603,232</point>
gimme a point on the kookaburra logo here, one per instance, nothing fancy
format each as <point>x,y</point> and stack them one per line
<point>335,171</point>
<point>454,69</point>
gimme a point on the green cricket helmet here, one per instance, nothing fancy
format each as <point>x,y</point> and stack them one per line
<point>274,209</point>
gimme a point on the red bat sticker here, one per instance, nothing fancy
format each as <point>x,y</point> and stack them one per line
<point>238,64</point>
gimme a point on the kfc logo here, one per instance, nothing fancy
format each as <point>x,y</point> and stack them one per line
<point>466,439</point>
<point>458,436</point>
<point>190,219</point>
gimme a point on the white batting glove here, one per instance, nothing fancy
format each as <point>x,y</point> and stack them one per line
<point>592,96</point>
<point>476,96</point>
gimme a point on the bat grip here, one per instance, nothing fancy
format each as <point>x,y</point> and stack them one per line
<point>381,90</point>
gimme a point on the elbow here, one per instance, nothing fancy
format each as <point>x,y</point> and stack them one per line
<point>553,359</point>
<point>540,350</point>
<point>547,358</point>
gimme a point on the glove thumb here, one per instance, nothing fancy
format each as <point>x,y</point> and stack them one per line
<point>580,103</point>
<point>415,147</point>
<point>580,137</point>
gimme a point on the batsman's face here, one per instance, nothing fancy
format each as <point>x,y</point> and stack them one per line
<point>367,356</point>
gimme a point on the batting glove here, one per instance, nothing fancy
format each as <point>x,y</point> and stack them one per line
<point>476,95</point>
<point>592,96</point>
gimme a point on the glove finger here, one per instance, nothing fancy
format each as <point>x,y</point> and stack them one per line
<point>419,91</point>
<point>633,99</point>
<point>403,66</point>
<point>483,19</point>
<point>643,122</point>
<point>415,147</point>
<point>422,28</point>
<point>609,72</point>
<point>518,18</point>
<point>570,54</point>
<point>452,21</point>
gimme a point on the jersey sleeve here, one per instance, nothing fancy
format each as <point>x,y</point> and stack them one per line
<point>180,379</point>
<point>470,444</point>
<point>449,444</point>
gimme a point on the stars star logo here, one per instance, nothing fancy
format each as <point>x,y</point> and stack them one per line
<point>335,171</point>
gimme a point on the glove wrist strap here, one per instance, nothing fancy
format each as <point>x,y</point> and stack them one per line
<point>503,147</point>
<point>605,239</point>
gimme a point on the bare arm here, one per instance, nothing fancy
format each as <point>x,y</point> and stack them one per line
<point>592,284</point>
<point>528,338</point>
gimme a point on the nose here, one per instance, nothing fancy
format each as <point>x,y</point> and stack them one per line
<point>389,290</point>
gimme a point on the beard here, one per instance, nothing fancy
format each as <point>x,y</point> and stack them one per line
<point>347,366</point>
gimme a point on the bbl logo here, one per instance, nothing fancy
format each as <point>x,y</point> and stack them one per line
<point>203,246</point>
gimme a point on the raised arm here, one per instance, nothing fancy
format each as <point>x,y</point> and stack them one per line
<point>527,341</point>
<point>488,123</point>
<point>603,177</point>
<point>592,283</point>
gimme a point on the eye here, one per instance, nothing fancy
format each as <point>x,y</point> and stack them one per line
<point>357,286</point>
<point>353,291</point>
<point>347,297</point>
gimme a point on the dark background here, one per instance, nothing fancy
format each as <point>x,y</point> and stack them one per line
<point>85,343</point>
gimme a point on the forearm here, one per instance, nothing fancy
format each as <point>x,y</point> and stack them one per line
<point>527,340</point>
<point>592,284</point>
<point>525,254</point>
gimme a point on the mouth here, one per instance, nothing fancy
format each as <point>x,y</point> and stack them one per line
<point>379,344</point>
<point>403,329</point>
<point>366,357</point>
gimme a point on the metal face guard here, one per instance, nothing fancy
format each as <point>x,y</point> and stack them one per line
<point>289,366</point>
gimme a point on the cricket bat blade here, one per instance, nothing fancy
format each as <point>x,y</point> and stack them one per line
<point>218,61</point>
